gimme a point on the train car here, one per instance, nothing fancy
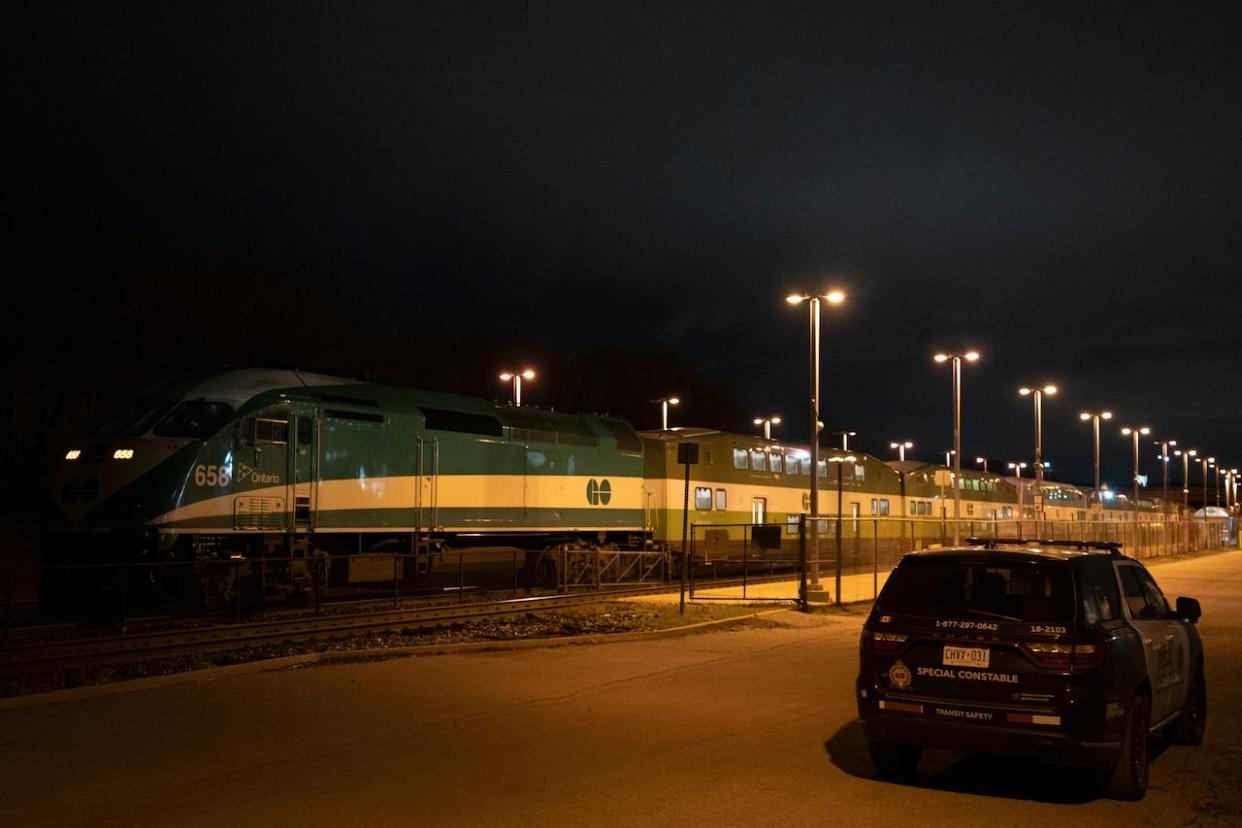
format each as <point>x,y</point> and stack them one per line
<point>286,464</point>
<point>742,479</point>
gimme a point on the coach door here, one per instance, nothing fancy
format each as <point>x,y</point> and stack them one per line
<point>304,467</point>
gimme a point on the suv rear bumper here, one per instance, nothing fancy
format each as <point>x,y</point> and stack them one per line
<point>1050,743</point>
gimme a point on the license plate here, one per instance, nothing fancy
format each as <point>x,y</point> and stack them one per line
<point>966,656</point>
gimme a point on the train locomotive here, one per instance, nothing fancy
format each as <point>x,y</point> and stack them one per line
<point>291,466</point>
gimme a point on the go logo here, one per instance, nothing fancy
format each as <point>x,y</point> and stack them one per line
<point>599,493</point>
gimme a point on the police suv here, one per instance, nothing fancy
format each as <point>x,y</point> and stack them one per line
<point>1064,651</point>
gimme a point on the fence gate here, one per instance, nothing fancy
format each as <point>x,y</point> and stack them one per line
<point>747,562</point>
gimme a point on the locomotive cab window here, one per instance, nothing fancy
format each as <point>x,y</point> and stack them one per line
<point>271,431</point>
<point>195,419</point>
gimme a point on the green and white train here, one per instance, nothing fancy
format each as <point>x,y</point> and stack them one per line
<point>288,465</point>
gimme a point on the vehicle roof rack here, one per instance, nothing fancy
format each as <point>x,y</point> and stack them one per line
<point>1112,547</point>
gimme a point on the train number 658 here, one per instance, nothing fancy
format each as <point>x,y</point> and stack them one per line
<point>211,475</point>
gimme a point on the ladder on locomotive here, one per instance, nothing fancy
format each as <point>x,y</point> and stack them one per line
<point>426,501</point>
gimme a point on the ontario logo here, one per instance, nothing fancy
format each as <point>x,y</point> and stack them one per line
<point>599,492</point>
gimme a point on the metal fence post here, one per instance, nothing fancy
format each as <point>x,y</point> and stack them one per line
<point>802,598</point>
<point>875,561</point>
<point>461,578</point>
<point>745,558</point>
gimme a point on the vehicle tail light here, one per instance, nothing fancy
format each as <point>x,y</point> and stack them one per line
<point>883,643</point>
<point>1065,656</point>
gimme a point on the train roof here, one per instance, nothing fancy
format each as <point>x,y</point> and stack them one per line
<point>239,385</point>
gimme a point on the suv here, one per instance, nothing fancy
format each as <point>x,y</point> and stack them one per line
<point>1058,650</point>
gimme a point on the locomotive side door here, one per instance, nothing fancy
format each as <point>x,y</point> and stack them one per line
<point>304,466</point>
<point>426,486</point>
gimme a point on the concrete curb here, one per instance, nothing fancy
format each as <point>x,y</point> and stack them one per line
<point>72,694</point>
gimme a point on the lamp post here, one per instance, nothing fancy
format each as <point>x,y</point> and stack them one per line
<point>1017,471</point>
<point>1207,463</point>
<point>1185,455</point>
<point>1164,459</point>
<point>1095,430</point>
<point>845,438</point>
<point>834,297</point>
<point>956,360</point>
<point>767,423</point>
<point>901,449</point>
<point>517,378</point>
<point>982,461</point>
<point>1219,471</point>
<point>665,402</point>
<point>1038,394</point>
<point>1135,432</point>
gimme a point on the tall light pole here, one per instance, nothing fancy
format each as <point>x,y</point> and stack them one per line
<point>845,438</point>
<point>1017,471</point>
<point>1219,471</point>
<point>901,449</point>
<point>767,423</point>
<point>1134,432</point>
<point>834,297</point>
<point>517,378</point>
<point>982,461</point>
<point>665,402</point>
<point>1164,459</point>
<point>956,360</point>
<point>1095,428</point>
<point>1038,394</point>
<point>1207,462</point>
<point>1186,455</point>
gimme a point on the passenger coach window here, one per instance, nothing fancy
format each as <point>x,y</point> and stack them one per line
<point>703,498</point>
<point>860,472</point>
<point>757,461</point>
<point>823,468</point>
<point>739,458</point>
<point>722,500</point>
<point>776,463</point>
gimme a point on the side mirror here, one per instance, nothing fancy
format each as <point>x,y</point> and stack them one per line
<point>1188,609</point>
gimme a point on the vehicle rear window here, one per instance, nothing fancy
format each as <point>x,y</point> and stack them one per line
<point>1014,591</point>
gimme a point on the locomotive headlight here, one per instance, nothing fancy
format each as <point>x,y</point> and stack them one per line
<point>123,454</point>
<point>73,454</point>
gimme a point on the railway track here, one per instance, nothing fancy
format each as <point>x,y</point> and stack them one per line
<point>18,657</point>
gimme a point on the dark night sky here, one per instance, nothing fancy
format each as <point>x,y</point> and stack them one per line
<point>627,191</point>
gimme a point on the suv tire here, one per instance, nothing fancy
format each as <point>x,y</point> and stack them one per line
<point>892,759</point>
<point>1129,777</point>
<point>1193,721</point>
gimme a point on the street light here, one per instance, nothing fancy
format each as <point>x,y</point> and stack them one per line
<point>1186,455</point>
<point>1038,394</point>
<point>834,297</point>
<point>1095,429</point>
<point>982,461</point>
<point>517,383</point>
<point>1207,462</point>
<point>665,402</point>
<point>767,423</point>
<point>1017,469</point>
<point>901,449</point>
<point>1135,432</point>
<point>845,438</point>
<point>1164,458</point>
<point>956,359</point>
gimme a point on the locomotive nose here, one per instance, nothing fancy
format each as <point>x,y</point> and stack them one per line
<point>88,478</point>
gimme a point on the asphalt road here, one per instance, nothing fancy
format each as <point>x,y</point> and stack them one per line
<point>743,727</point>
